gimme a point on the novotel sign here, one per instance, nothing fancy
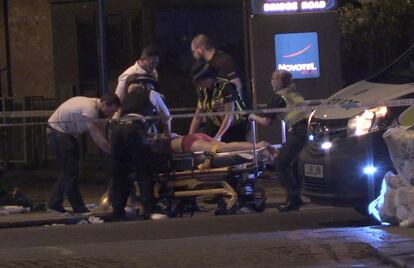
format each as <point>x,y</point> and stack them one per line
<point>298,53</point>
<point>291,6</point>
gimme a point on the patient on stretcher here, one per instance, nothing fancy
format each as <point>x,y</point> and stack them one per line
<point>200,142</point>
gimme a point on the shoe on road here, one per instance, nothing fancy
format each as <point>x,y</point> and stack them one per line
<point>57,210</point>
<point>158,216</point>
<point>290,205</point>
<point>83,212</point>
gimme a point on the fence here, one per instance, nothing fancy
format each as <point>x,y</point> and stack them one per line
<point>24,142</point>
<point>23,129</point>
<point>23,137</point>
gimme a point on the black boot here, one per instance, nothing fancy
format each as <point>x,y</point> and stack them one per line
<point>291,204</point>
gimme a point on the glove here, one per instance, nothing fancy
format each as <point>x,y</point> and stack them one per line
<point>217,138</point>
<point>252,117</point>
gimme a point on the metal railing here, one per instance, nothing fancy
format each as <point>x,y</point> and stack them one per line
<point>23,139</point>
<point>23,124</point>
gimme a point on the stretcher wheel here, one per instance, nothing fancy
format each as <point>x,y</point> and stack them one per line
<point>260,207</point>
<point>225,211</point>
<point>259,204</point>
<point>222,208</point>
<point>178,209</point>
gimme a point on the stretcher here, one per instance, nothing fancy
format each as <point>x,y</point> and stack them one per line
<point>229,178</point>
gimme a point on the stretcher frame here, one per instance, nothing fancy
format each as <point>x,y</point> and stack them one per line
<point>193,182</point>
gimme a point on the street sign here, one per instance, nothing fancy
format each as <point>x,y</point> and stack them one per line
<point>267,7</point>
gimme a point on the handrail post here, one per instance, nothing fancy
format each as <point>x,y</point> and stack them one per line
<point>283,127</point>
<point>253,127</point>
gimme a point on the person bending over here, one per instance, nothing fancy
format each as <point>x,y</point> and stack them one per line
<point>218,95</point>
<point>72,118</point>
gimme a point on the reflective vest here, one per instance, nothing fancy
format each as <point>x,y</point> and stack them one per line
<point>211,98</point>
<point>293,99</point>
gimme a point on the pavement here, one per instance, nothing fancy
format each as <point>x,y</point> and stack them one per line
<point>393,244</point>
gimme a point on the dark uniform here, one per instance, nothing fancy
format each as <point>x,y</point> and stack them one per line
<point>296,138</point>
<point>212,99</point>
<point>131,150</point>
<point>225,67</point>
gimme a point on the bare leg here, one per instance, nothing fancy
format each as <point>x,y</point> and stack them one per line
<point>201,145</point>
<point>239,146</point>
<point>269,153</point>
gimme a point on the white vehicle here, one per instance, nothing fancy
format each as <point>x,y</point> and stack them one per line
<point>346,158</point>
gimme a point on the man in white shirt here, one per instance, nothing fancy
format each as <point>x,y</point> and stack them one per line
<point>76,116</point>
<point>146,64</point>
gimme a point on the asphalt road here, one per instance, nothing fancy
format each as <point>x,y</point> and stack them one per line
<point>269,239</point>
<point>202,225</point>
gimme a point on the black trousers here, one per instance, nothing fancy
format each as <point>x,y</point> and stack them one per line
<point>66,150</point>
<point>287,160</point>
<point>131,153</point>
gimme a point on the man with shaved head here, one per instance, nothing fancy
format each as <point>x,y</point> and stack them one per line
<point>204,50</point>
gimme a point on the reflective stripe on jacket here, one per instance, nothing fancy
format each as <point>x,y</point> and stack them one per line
<point>212,100</point>
<point>293,99</point>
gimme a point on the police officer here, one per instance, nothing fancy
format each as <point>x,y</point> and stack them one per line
<point>146,65</point>
<point>218,95</point>
<point>131,149</point>
<point>285,95</point>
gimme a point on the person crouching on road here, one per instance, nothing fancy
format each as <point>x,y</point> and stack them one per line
<point>130,147</point>
<point>285,95</point>
<point>76,116</point>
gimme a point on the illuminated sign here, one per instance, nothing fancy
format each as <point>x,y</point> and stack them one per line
<point>289,6</point>
<point>298,53</point>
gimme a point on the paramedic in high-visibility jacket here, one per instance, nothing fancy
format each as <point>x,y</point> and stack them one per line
<point>218,95</point>
<point>286,96</point>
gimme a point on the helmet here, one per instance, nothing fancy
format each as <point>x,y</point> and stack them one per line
<point>146,80</point>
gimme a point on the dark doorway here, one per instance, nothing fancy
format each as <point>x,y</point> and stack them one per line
<point>87,56</point>
<point>123,44</point>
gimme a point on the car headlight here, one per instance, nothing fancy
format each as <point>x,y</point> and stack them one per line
<point>368,121</point>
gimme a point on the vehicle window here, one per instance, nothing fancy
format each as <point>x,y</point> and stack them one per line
<point>399,72</point>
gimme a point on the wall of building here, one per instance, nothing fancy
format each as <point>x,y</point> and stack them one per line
<point>54,44</point>
<point>31,48</point>
<point>76,58</point>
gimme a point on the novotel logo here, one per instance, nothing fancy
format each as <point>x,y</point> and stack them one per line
<point>285,6</point>
<point>298,53</point>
